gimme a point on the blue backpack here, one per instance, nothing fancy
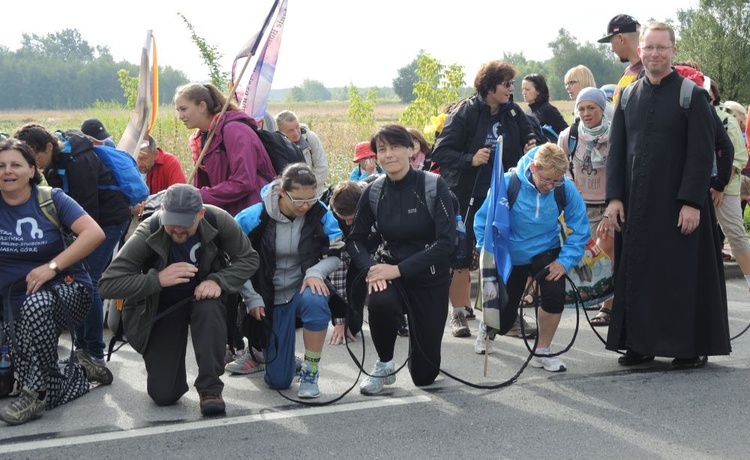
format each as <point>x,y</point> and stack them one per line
<point>124,169</point>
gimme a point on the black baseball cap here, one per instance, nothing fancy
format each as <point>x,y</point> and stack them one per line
<point>620,24</point>
<point>94,128</point>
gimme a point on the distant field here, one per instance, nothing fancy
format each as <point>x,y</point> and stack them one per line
<point>327,119</point>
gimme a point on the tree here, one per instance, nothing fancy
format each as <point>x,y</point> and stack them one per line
<point>437,85</point>
<point>567,52</point>
<point>361,112</point>
<point>717,37</point>
<point>407,77</point>
<point>210,55</point>
<point>315,90</point>
<point>66,45</point>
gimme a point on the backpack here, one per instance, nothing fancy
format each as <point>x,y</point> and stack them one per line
<point>124,170</point>
<point>279,148</point>
<point>542,133</point>
<point>573,142</point>
<point>430,195</point>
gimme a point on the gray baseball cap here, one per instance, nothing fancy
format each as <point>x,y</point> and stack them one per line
<point>181,205</point>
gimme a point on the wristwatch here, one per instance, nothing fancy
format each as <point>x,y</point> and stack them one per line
<point>53,266</point>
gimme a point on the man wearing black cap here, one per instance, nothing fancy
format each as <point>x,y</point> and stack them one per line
<point>183,260</point>
<point>94,128</point>
<point>622,34</point>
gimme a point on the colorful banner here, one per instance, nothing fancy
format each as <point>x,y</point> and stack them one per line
<point>146,103</point>
<point>252,94</point>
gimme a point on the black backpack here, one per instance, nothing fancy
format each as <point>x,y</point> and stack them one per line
<point>280,149</point>
<point>542,133</point>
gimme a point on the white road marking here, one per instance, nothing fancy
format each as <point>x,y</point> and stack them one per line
<point>209,423</point>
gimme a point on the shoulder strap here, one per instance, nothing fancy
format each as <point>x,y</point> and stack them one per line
<point>375,189</point>
<point>572,143</point>
<point>560,198</point>
<point>430,191</point>
<point>514,186</point>
<point>686,94</point>
<point>47,204</point>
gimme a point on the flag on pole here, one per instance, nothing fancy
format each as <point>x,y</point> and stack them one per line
<point>146,103</point>
<point>252,95</point>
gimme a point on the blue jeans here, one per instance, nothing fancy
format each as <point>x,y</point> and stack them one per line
<point>314,312</point>
<point>90,334</point>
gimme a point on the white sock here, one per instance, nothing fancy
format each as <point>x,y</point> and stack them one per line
<point>457,310</point>
<point>747,280</point>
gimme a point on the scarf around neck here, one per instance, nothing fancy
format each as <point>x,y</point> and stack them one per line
<point>595,141</point>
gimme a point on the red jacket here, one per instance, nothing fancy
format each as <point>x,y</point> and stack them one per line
<point>165,172</point>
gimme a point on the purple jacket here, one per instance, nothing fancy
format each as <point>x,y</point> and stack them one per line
<point>236,165</point>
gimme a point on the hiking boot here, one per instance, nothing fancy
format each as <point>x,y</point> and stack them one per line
<point>378,377</point>
<point>459,326</point>
<point>26,407</point>
<point>528,328</point>
<point>480,346</point>
<point>308,383</point>
<point>95,371</point>
<point>403,328</point>
<point>245,364</point>
<point>212,404</point>
<point>549,363</point>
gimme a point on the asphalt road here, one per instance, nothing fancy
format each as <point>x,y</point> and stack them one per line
<point>596,409</point>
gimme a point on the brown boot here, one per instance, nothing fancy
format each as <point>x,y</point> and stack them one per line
<point>212,404</point>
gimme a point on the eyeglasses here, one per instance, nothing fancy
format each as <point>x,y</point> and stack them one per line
<point>507,83</point>
<point>571,82</point>
<point>552,182</point>
<point>661,49</point>
<point>300,202</point>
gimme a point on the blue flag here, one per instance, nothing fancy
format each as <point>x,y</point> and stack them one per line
<point>497,227</point>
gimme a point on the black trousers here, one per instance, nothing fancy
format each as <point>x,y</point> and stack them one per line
<point>167,343</point>
<point>552,292</point>
<point>427,312</point>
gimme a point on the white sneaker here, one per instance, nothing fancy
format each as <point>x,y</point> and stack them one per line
<point>245,363</point>
<point>378,377</point>
<point>480,346</point>
<point>549,363</point>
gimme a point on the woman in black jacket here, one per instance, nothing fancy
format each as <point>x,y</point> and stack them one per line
<point>412,266</point>
<point>536,93</point>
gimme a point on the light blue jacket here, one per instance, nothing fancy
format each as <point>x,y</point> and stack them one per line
<point>534,227</point>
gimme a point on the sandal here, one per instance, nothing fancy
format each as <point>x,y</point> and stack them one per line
<point>602,319</point>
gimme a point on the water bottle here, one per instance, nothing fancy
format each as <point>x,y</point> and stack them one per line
<point>6,372</point>
<point>460,239</point>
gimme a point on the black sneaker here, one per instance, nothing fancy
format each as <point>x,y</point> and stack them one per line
<point>689,363</point>
<point>403,328</point>
<point>631,358</point>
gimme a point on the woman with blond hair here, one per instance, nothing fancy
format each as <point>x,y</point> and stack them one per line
<point>578,78</point>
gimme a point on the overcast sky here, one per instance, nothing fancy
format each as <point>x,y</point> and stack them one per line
<point>336,42</point>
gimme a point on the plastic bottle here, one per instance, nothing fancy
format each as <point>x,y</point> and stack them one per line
<point>460,239</point>
<point>6,371</point>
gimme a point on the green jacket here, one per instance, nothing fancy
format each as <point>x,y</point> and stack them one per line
<point>225,257</point>
<point>740,152</point>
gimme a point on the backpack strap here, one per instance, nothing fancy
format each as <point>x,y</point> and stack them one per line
<point>47,204</point>
<point>430,192</point>
<point>514,187</point>
<point>625,95</point>
<point>376,188</point>
<point>573,143</point>
<point>686,94</point>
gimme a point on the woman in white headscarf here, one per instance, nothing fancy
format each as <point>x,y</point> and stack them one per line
<point>586,142</point>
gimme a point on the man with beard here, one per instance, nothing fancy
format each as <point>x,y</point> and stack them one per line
<point>622,34</point>
<point>670,294</point>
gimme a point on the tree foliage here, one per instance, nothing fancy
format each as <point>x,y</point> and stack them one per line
<point>717,37</point>
<point>361,111</point>
<point>311,90</point>
<point>407,77</point>
<point>210,55</point>
<point>35,76</point>
<point>437,85</point>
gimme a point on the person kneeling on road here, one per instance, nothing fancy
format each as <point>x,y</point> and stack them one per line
<point>189,256</point>
<point>535,243</point>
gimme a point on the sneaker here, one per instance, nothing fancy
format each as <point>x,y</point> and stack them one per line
<point>469,313</point>
<point>94,368</point>
<point>403,328</point>
<point>26,407</point>
<point>549,363</point>
<point>212,404</point>
<point>528,328</point>
<point>308,384</point>
<point>480,346</point>
<point>373,384</point>
<point>245,364</point>
<point>459,326</point>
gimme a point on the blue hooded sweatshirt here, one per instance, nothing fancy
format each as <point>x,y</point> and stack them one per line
<point>534,227</point>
